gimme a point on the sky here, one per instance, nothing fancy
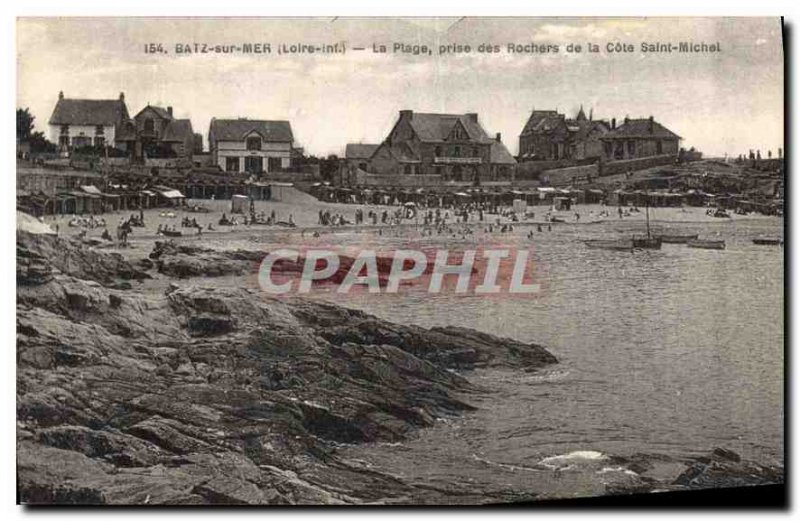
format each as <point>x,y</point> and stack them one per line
<point>720,103</point>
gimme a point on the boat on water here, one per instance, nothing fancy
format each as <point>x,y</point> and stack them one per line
<point>648,242</point>
<point>677,238</point>
<point>610,244</point>
<point>707,244</point>
<point>769,241</point>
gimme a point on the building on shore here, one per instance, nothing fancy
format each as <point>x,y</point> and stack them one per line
<point>358,155</point>
<point>638,138</point>
<point>551,136</point>
<point>155,133</point>
<point>442,147</point>
<point>249,146</point>
<point>78,123</point>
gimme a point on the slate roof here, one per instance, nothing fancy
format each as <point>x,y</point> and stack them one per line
<point>89,112</point>
<point>237,129</point>
<point>178,130</point>
<point>438,127</point>
<point>538,117</point>
<point>499,154</point>
<point>641,128</point>
<point>359,150</point>
<point>160,111</point>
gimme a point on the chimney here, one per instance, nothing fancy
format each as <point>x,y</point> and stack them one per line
<point>61,94</point>
<point>650,124</point>
<point>613,123</point>
<point>169,111</point>
<point>473,116</point>
<point>408,114</point>
<point>122,96</point>
<point>626,119</point>
<point>497,137</point>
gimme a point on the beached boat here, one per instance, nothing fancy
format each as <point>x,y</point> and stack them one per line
<point>610,244</point>
<point>678,238</point>
<point>770,241</point>
<point>171,233</point>
<point>706,244</point>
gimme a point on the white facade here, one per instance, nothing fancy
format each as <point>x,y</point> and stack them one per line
<point>81,132</point>
<point>237,150</point>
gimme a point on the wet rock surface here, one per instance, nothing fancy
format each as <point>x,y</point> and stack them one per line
<point>205,395</point>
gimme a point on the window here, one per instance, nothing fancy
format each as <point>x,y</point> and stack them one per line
<point>362,166</point>
<point>659,147</point>
<point>254,164</point>
<point>63,141</point>
<point>438,170</point>
<point>81,141</point>
<point>631,148</point>
<point>231,164</point>
<point>254,143</point>
<point>274,164</point>
<point>474,151</point>
<point>438,151</point>
<point>457,152</point>
<point>99,141</point>
<point>99,130</point>
<point>64,130</point>
<point>149,125</point>
<point>407,170</point>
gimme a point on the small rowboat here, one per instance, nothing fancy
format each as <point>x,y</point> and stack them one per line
<point>646,242</point>
<point>171,233</point>
<point>678,239</point>
<point>706,244</point>
<point>619,245</point>
<point>770,241</point>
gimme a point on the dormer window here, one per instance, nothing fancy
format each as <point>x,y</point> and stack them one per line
<point>149,125</point>
<point>254,143</point>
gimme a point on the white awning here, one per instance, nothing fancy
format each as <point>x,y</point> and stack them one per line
<point>91,189</point>
<point>173,194</point>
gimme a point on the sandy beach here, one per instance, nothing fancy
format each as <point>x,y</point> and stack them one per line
<point>305,216</point>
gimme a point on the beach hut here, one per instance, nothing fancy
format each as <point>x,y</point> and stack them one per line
<point>240,204</point>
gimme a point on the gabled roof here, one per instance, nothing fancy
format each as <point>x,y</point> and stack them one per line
<point>359,150</point>
<point>500,155</point>
<point>160,111</point>
<point>537,117</point>
<point>403,153</point>
<point>178,130</point>
<point>641,128</point>
<point>438,127</point>
<point>89,112</point>
<point>237,129</point>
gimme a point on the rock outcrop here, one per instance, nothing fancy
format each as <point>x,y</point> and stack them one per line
<point>202,395</point>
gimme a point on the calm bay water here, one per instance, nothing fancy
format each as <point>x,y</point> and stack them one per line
<point>665,352</point>
<point>674,351</point>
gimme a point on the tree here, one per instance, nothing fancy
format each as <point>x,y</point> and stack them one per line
<point>24,124</point>
<point>329,167</point>
<point>25,133</point>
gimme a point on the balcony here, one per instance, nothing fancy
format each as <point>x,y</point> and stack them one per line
<point>458,160</point>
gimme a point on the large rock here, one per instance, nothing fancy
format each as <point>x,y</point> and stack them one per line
<point>218,395</point>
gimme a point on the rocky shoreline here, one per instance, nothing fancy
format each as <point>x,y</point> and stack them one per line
<point>203,395</point>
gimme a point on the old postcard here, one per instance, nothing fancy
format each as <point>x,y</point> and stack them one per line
<point>398,261</point>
